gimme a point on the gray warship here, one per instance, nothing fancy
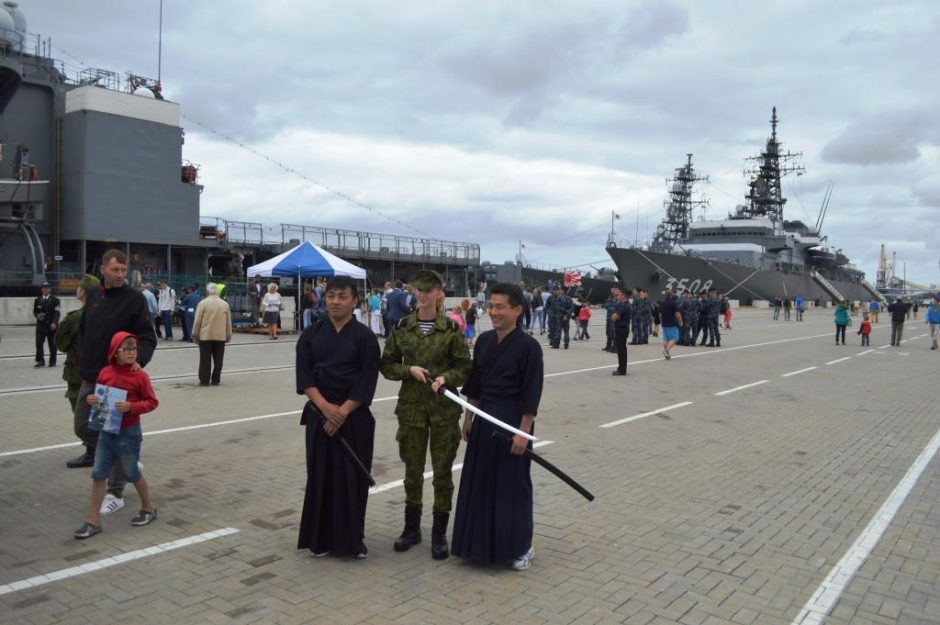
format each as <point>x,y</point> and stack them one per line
<point>753,254</point>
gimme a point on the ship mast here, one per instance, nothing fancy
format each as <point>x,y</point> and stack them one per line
<point>675,227</point>
<point>764,196</point>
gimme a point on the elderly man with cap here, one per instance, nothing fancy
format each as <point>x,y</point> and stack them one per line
<point>425,345</point>
<point>46,311</point>
<point>212,329</point>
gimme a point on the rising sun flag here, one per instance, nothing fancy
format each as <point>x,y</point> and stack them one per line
<point>572,277</point>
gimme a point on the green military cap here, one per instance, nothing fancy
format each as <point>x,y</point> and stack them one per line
<point>426,280</point>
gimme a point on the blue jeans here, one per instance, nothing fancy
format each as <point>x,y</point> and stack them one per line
<point>166,317</point>
<point>540,316</point>
<point>123,447</point>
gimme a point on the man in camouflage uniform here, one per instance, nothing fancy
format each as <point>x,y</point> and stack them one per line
<point>559,316</point>
<point>689,310</point>
<point>68,340</point>
<point>643,313</point>
<point>427,345</point>
<point>702,303</point>
<point>610,304</point>
<point>713,311</point>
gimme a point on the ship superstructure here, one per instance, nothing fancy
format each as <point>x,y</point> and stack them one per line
<point>754,253</point>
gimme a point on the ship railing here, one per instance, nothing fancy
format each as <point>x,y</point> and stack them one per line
<point>11,42</point>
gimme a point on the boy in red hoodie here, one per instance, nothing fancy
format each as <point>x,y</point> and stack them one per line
<point>864,330</point>
<point>125,374</point>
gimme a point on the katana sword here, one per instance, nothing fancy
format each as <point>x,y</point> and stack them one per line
<point>567,479</point>
<point>345,444</point>
<point>497,422</point>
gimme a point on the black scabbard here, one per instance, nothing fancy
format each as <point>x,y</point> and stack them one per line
<point>345,444</point>
<point>564,477</point>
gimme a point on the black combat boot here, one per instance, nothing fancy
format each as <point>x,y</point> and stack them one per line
<point>411,535</point>
<point>439,548</point>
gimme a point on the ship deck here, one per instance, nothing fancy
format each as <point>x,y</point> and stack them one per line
<point>771,481</point>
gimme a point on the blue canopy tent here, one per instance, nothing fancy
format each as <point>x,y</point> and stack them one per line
<point>306,261</point>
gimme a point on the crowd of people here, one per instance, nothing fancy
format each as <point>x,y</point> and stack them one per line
<point>428,348</point>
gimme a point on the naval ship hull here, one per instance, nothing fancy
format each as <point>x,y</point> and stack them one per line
<point>658,271</point>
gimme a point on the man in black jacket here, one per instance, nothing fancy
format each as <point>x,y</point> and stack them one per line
<point>898,312</point>
<point>46,311</point>
<point>110,308</point>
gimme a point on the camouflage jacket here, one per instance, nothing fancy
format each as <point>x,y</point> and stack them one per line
<point>68,340</point>
<point>560,307</point>
<point>690,310</point>
<point>643,308</point>
<point>442,351</point>
<point>712,308</point>
<point>610,305</point>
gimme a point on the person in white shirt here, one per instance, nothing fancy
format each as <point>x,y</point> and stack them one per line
<point>272,309</point>
<point>166,300</point>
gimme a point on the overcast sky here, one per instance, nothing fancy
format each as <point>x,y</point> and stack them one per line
<point>497,122</point>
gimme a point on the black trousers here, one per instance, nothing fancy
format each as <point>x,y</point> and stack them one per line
<point>620,339</point>
<point>210,353</point>
<point>44,334</point>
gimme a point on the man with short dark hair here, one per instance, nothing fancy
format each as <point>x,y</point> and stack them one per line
<point>113,307</point>
<point>671,319</point>
<point>610,304</point>
<point>622,317</point>
<point>337,370</point>
<point>46,311</point>
<point>898,310</point>
<point>712,312</point>
<point>396,307</point>
<point>493,521</point>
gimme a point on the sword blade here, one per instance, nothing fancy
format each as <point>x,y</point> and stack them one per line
<point>456,398</point>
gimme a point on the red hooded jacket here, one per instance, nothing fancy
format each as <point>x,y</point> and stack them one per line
<point>137,383</point>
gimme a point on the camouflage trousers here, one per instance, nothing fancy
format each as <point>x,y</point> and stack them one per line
<point>557,326</point>
<point>413,449</point>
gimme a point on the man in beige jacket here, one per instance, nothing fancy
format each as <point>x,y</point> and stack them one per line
<point>212,329</point>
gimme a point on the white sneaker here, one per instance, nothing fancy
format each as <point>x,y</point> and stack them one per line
<point>111,504</point>
<point>524,561</point>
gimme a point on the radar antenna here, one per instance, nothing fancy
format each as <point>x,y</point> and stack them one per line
<point>764,196</point>
<point>675,227</point>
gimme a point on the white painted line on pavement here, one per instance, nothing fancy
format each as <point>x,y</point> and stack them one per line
<point>831,588</point>
<point>867,351</point>
<point>25,390</point>
<point>104,563</point>
<point>427,474</point>
<point>838,360</point>
<point>797,372</point>
<point>740,388</point>
<point>644,415</point>
<point>884,347</point>
<point>17,452</point>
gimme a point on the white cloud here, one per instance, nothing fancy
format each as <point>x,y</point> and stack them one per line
<point>532,120</point>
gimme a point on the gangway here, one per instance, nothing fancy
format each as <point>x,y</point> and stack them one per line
<point>827,286</point>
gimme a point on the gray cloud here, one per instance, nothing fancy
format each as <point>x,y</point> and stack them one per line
<point>889,137</point>
<point>529,119</point>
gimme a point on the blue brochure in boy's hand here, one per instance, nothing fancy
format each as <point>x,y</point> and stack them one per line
<point>104,417</point>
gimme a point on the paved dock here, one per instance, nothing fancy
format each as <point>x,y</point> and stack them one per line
<point>780,479</point>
